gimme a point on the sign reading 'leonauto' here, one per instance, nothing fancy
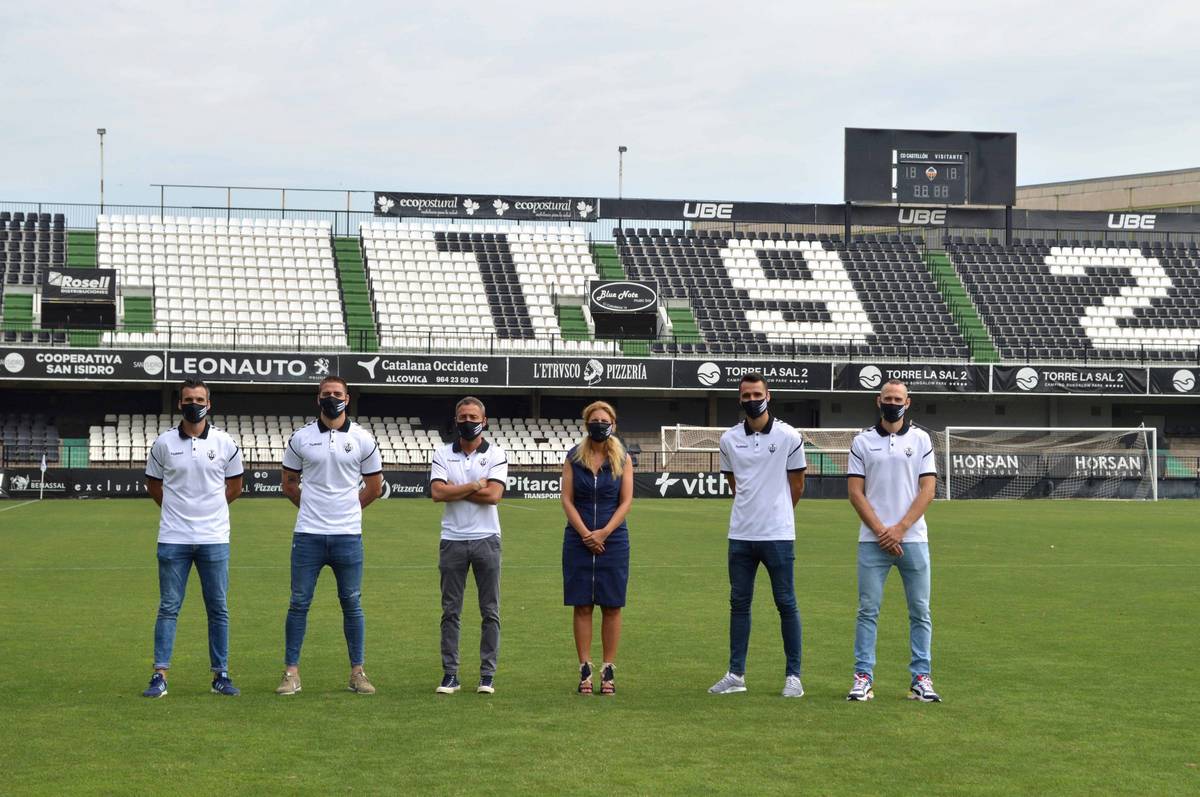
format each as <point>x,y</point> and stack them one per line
<point>623,297</point>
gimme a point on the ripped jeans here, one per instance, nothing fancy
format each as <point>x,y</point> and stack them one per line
<point>344,555</point>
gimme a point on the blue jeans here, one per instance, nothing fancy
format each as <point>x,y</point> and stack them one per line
<point>344,555</point>
<point>744,558</point>
<point>873,566</point>
<point>212,565</point>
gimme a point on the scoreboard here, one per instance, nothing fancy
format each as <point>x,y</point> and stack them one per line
<point>930,167</point>
<point>930,177</point>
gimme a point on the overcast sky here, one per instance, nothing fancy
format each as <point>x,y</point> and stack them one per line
<point>715,100</point>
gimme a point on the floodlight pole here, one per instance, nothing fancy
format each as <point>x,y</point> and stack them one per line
<point>621,150</point>
<point>100,131</point>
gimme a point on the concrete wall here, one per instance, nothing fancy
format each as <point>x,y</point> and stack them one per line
<point>1179,190</point>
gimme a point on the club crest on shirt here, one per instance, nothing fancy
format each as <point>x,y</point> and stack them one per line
<point>348,446</point>
<point>908,452</point>
<point>483,461</point>
<point>771,448</point>
<point>212,454</point>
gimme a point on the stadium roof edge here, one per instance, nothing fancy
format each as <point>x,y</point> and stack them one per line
<point>1139,175</point>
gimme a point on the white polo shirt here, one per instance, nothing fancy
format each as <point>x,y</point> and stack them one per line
<point>193,471</point>
<point>892,466</point>
<point>760,462</point>
<point>464,520</point>
<point>333,463</point>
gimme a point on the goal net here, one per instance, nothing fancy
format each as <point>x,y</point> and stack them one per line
<point>996,462</point>
<point>696,448</point>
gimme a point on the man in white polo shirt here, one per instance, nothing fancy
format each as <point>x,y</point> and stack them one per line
<point>342,473</point>
<point>892,478</point>
<point>469,476</point>
<point>194,473</point>
<point>763,460</point>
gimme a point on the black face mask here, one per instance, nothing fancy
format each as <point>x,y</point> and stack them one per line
<point>892,412</point>
<point>469,430</point>
<point>599,431</point>
<point>332,407</point>
<point>754,409</point>
<point>194,413</point>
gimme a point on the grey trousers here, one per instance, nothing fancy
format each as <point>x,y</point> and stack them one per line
<point>454,558</point>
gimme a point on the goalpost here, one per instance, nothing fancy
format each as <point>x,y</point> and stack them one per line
<point>982,461</point>
<point>1048,462</point>
<point>827,450</point>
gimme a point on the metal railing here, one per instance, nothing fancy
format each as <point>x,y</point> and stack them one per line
<point>325,338</point>
<point>820,463</point>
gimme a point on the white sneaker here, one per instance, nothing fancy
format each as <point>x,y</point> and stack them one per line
<point>792,687</point>
<point>922,689</point>
<point>728,685</point>
<point>862,689</point>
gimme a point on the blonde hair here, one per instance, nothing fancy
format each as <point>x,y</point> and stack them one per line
<point>614,448</point>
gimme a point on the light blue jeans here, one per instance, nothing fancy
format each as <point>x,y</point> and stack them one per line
<point>873,567</point>
<point>212,565</point>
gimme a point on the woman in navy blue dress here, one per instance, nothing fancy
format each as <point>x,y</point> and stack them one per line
<point>597,491</point>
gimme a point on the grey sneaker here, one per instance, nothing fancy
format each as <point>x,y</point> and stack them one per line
<point>290,684</point>
<point>862,689</point>
<point>792,687</point>
<point>728,685</point>
<point>922,689</point>
<point>359,682</point>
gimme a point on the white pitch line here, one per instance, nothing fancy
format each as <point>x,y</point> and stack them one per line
<point>18,506</point>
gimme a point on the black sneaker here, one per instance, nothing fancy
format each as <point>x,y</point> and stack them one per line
<point>487,685</point>
<point>449,685</point>
<point>222,685</point>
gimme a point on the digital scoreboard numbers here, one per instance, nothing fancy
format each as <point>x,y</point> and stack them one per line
<point>923,176</point>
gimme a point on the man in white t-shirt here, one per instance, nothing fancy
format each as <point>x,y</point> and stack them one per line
<point>469,476</point>
<point>892,478</point>
<point>194,472</point>
<point>763,461</point>
<point>342,473</point>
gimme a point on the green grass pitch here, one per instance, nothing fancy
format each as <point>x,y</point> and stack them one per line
<point>1065,647</point>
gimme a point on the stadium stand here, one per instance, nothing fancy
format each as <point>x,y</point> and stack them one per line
<point>1059,300</point>
<point>482,286</point>
<point>27,437</point>
<point>779,293</point>
<point>402,441</point>
<point>29,243</point>
<point>226,282</point>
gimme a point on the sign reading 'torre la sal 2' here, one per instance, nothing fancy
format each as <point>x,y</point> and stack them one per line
<point>241,366</point>
<point>727,374</point>
<point>623,296</point>
<point>1068,379</point>
<point>919,377</point>
<point>1175,381</point>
